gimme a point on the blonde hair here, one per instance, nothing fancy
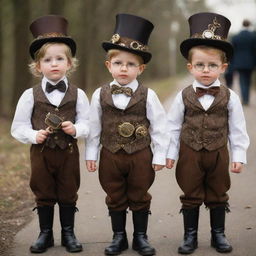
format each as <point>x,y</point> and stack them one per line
<point>214,50</point>
<point>41,53</point>
<point>114,52</point>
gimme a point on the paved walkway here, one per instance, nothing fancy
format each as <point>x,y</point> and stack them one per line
<point>165,224</point>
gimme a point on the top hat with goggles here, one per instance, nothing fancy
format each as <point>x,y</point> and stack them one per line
<point>131,34</point>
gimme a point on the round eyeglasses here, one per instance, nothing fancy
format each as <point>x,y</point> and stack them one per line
<point>129,65</point>
<point>210,67</point>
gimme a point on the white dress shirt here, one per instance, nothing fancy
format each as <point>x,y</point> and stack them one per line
<point>155,114</point>
<point>21,128</point>
<point>238,137</point>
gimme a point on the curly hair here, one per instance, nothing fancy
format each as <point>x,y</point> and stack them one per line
<point>33,66</point>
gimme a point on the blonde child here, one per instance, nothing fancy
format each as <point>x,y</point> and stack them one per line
<point>55,173</point>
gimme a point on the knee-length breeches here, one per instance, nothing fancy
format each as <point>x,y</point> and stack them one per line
<point>203,176</point>
<point>55,175</point>
<point>126,179</point>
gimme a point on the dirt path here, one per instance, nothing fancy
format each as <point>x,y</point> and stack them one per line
<point>165,227</point>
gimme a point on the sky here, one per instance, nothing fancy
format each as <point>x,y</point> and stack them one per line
<point>236,11</point>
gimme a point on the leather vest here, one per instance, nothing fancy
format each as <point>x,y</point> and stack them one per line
<point>205,128</point>
<point>113,119</point>
<point>66,110</point>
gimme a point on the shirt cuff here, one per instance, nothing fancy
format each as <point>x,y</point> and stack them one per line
<point>159,158</point>
<point>81,131</point>
<point>32,135</point>
<point>91,153</point>
<point>172,154</point>
<point>239,156</point>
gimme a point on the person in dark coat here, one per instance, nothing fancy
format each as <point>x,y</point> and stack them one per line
<point>243,61</point>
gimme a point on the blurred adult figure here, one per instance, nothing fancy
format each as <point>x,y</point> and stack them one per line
<point>243,61</point>
<point>228,76</point>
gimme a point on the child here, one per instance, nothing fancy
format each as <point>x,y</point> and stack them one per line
<point>203,117</point>
<point>125,118</point>
<point>55,176</point>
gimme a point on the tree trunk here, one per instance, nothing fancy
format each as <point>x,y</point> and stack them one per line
<point>21,42</point>
<point>1,59</point>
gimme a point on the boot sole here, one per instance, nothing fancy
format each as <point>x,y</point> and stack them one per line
<point>143,253</point>
<point>118,252</point>
<point>221,250</point>
<point>70,250</point>
<point>41,251</point>
<point>187,252</point>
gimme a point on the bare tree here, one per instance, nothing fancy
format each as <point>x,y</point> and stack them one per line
<point>21,22</point>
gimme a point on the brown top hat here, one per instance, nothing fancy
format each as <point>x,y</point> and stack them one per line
<point>131,34</point>
<point>210,29</point>
<point>50,28</point>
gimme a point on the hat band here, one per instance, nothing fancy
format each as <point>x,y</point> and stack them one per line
<point>49,35</point>
<point>129,43</point>
<point>208,34</point>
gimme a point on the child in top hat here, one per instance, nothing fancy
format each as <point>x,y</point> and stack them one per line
<point>126,117</point>
<point>51,116</point>
<point>203,118</point>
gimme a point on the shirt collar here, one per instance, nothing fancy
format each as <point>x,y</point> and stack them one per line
<point>133,85</point>
<point>45,80</point>
<point>197,84</point>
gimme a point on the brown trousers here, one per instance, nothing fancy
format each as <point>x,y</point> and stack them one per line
<point>126,178</point>
<point>203,176</point>
<point>55,175</point>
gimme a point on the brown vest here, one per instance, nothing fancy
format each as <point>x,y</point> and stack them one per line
<point>66,110</point>
<point>112,117</point>
<point>205,128</point>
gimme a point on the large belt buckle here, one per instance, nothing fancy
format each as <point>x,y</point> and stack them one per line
<point>53,121</point>
<point>141,131</point>
<point>126,129</point>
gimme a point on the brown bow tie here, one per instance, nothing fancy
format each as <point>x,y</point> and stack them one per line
<point>116,89</point>
<point>212,91</point>
<point>61,86</point>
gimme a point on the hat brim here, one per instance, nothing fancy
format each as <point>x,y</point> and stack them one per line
<point>146,56</point>
<point>187,44</point>
<point>38,43</point>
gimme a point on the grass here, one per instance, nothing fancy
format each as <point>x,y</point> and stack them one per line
<point>16,199</point>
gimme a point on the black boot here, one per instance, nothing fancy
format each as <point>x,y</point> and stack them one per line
<point>45,238</point>
<point>119,242</point>
<point>140,242</point>
<point>219,240</point>
<point>68,238</point>
<point>190,218</point>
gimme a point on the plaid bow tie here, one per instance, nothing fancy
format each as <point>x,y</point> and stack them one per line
<point>61,86</point>
<point>212,91</point>
<point>116,89</point>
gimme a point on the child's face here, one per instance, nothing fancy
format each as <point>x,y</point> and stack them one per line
<point>206,66</point>
<point>55,63</point>
<point>124,67</point>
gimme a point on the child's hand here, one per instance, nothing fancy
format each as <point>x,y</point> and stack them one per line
<point>91,165</point>
<point>157,167</point>
<point>68,128</point>
<point>236,167</point>
<point>169,163</point>
<point>41,136</point>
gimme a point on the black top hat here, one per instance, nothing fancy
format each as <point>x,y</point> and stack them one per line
<point>210,29</point>
<point>50,28</point>
<point>131,34</point>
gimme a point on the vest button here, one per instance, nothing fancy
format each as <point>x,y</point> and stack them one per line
<point>56,109</point>
<point>55,137</point>
<point>122,145</point>
<point>206,114</point>
<point>205,126</point>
